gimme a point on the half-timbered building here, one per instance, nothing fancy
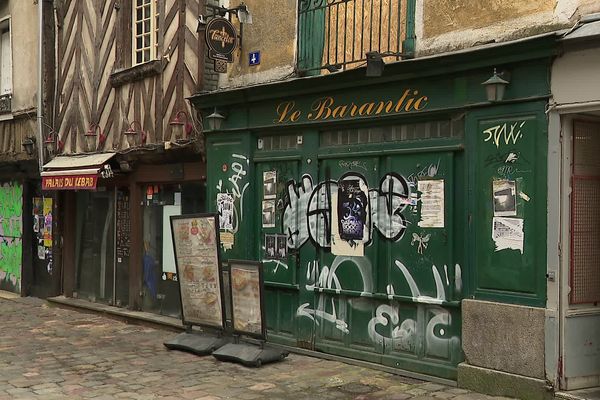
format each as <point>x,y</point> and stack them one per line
<point>128,149</point>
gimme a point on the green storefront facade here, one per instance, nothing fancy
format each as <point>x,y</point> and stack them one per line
<point>378,204</point>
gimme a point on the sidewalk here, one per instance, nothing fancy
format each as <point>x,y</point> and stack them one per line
<point>54,353</point>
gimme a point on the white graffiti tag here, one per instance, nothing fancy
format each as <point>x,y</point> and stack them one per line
<point>506,133</point>
<point>237,188</point>
<point>404,335</point>
<point>308,209</point>
<point>325,277</point>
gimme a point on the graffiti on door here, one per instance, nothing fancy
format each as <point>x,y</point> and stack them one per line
<point>308,207</point>
<point>236,185</point>
<point>404,332</point>
<point>11,229</point>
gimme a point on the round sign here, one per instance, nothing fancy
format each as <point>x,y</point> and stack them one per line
<point>221,36</point>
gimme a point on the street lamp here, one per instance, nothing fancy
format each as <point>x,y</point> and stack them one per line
<point>495,87</point>
<point>215,120</point>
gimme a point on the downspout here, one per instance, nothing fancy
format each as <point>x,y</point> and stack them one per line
<point>40,126</point>
<point>408,46</point>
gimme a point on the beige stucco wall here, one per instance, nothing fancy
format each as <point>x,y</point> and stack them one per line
<point>576,77</point>
<point>273,33</point>
<point>24,28</point>
<point>446,25</point>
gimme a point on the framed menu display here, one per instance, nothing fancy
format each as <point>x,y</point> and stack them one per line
<point>196,246</point>
<point>246,280</point>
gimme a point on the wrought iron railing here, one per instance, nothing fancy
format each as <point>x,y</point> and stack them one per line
<point>338,34</point>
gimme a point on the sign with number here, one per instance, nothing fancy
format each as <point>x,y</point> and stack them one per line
<point>254,58</point>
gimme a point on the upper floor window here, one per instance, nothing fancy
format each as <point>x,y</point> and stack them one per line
<point>145,31</point>
<point>5,58</point>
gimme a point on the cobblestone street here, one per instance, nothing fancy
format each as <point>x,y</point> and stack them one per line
<point>53,353</point>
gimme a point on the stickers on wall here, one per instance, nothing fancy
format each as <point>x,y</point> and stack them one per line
<point>41,252</point>
<point>432,203</point>
<point>268,214</point>
<point>270,184</point>
<point>227,240</point>
<point>225,210</point>
<point>275,246</point>
<point>507,233</point>
<point>505,199</point>
<point>349,213</point>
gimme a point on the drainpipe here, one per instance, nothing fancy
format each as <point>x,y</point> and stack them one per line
<point>40,127</point>
<point>408,46</point>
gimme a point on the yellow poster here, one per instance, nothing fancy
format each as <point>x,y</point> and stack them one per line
<point>47,222</point>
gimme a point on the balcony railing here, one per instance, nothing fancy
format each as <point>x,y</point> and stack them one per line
<point>337,34</point>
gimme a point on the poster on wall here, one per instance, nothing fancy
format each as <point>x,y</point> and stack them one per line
<point>270,184</point>
<point>225,209</point>
<point>505,198</point>
<point>432,203</point>
<point>247,298</point>
<point>275,246</point>
<point>352,210</point>
<point>168,258</point>
<point>350,218</point>
<point>47,230</point>
<point>270,246</point>
<point>196,245</point>
<point>268,214</point>
<point>507,233</point>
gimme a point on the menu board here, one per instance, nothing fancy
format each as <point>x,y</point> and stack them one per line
<point>247,298</point>
<point>195,242</point>
<point>123,225</point>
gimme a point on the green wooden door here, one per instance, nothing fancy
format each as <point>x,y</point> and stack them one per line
<point>509,219</point>
<point>275,249</point>
<point>386,275</point>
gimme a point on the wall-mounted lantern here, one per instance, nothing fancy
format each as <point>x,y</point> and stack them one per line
<point>242,12</point>
<point>132,134</point>
<point>50,141</point>
<point>29,145</point>
<point>215,120</point>
<point>495,86</point>
<point>95,131</point>
<point>375,64</point>
<point>180,125</point>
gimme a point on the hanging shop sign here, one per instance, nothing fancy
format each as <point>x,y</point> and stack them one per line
<point>221,39</point>
<point>196,246</point>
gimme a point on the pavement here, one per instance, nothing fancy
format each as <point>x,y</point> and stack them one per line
<point>48,352</point>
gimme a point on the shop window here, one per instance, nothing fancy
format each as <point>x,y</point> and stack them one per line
<point>5,66</point>
<point>395,133</point>
<point>159,275</point>
<point>585,219</point>
<point>145,31</point>
<point>279,142</point>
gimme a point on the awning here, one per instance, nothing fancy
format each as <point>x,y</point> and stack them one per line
<point>78,172</point>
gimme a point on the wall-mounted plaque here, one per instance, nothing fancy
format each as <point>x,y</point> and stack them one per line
<point>196,245</point>
<point>246,282</point>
